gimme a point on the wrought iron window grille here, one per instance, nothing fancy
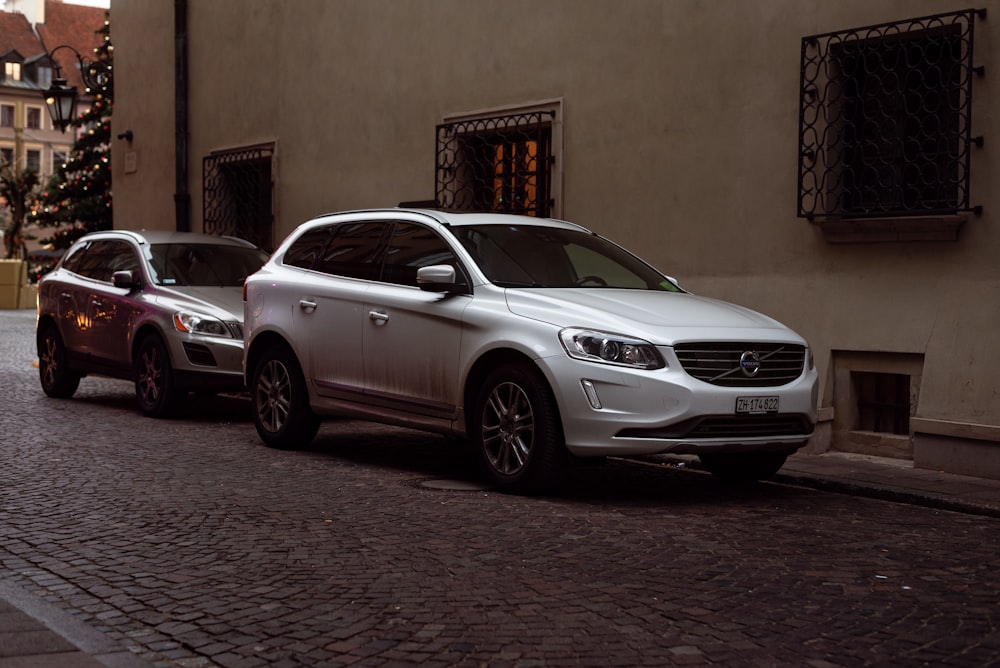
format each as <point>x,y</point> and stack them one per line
<point>502,163</point>
<point>885,119</point>
<point>237,188</point>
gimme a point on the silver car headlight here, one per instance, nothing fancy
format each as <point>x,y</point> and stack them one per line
<point>607,348</point>
<point>193,323</point>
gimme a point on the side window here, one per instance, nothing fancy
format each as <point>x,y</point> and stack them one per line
<point>412,246</point>
<point>354,252</point>
<point>308,248</point>
<point>122,259</point>
<point>75,258</point>
<point>103,258</point>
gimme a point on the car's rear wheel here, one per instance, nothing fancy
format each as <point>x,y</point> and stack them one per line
<point>744,466</point>
<point>57,379</point>
<point>517,431</point>
<point>155,388</point>
<point>282,413</point>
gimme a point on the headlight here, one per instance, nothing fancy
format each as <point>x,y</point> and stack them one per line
<point>192,323</point>
<point>606,348</point>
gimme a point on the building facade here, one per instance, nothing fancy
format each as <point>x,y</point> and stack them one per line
<point>827,162</point>
<point>29,30</point>
<point>37,43</point>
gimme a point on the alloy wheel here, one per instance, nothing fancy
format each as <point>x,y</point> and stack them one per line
<point>508,428</point>
<point>273,396</point>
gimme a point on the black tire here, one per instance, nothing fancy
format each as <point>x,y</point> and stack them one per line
<point>744,467</point>
<point>57,379</point>
<point>517,431</point>
<point>155,389</point>
<point>282,413</point>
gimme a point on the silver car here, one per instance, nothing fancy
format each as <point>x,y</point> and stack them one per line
<point>162,309</point>
<point>536,340</point>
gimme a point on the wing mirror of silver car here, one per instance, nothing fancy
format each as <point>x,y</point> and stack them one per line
<point>125,279</point>
<point>436,278</point>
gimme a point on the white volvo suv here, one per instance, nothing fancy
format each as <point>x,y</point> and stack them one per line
<point>534,339</point>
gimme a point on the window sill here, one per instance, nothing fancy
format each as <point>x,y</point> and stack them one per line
<point>882,230</point>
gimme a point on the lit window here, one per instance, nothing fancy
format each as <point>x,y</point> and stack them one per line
<point>500,162</point>
<point>12,71</point>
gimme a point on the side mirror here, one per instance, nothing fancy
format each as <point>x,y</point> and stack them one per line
<point>124,279</point>
<point>436,278</point>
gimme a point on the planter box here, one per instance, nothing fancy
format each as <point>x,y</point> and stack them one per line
<point>15,291</point>
<point>13,272</point>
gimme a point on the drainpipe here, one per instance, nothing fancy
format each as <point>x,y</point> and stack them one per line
<point>182,197</point>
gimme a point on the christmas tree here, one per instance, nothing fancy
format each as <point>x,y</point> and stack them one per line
<point>77,199</point>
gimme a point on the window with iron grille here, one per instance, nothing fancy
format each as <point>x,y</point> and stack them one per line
<point>884,402</point>
<point>885,119</point>
<point>500,163</point>
<point>238,194</point>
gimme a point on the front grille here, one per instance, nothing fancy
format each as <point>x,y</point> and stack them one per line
<point>729,426</point>
<point>719,363</point>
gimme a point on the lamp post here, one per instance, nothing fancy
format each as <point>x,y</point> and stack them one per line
<point>60,97</point>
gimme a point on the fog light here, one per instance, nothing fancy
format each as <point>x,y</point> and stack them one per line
<point>591,392</point>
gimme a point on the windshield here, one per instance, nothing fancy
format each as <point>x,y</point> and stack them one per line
<point>204,264</point>
<point>530,256</point>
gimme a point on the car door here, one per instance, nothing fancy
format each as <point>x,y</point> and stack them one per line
<point>111,310</point>
<point>71,296</point>
<point>329,310</point>
<point>412,338</point>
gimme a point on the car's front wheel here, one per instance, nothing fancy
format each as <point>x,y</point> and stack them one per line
<point>745,466</point>
<point>154,380</point>
<point>282,413</point>
<point>517,431</point>
<point>53,369</point>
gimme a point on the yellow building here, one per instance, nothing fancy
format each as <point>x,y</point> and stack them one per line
<point>825,162</point>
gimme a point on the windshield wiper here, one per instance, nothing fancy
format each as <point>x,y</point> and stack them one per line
<point>517,284</point>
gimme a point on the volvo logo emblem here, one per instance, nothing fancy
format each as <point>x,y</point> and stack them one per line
<point>749,363</point>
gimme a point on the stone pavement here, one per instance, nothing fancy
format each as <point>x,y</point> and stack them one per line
<point>36,634</point>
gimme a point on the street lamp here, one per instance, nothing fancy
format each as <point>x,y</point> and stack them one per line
<point>61,98</point>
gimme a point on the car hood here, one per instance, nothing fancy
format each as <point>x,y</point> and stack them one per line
<point>662,318</point>
<point>225,303</point>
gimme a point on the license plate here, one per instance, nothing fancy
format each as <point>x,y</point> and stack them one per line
<point>756,405</point>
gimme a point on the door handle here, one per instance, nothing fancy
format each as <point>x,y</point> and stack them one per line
<point>307,305</point>
<point>378,317</point>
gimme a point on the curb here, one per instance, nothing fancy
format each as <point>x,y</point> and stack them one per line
<point>883,493</point>
<point>84,637</point>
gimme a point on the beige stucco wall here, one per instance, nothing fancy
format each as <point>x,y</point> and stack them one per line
<point>679,139</point>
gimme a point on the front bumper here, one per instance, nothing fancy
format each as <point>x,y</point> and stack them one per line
<point>210,364</point>
<point>668,411</point>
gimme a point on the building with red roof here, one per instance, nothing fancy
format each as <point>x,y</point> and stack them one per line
<point>30,30</point>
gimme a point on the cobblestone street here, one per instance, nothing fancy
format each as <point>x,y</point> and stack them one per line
<point>192,544</point>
